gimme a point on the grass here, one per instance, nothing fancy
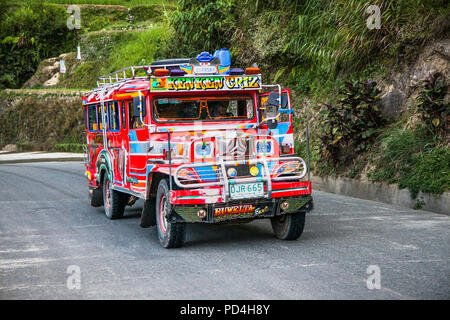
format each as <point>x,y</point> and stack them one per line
<point>108,52</point>
<point>45,120</point>
<point>429,172</point>
<point>68,147</point>
<point>142,48</point>
<point>412,158</point>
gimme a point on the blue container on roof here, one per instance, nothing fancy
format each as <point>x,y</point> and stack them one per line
<point>225,60</point>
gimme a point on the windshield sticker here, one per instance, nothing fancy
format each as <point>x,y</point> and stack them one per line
<point>158,84</point>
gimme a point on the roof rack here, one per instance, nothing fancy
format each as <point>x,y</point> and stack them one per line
<point>121,75</point>
<point>176,61</point>
<point>114,77</point>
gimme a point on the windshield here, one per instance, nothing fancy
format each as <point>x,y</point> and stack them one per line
<point>207,108</point>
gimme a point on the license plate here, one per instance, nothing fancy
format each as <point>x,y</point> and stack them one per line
<point>246,190</point>
<point>205,69</point>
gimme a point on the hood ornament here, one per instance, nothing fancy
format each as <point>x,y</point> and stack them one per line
<point>235,146</point>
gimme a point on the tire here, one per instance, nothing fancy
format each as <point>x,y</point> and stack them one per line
<point>170,235</point>
<point>288,226</point>
<point>113,201</point>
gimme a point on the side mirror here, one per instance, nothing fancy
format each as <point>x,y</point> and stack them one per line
<point>272,123</point>
<point>273,99</point>
<point>138,108</point>
<point>287,111</point>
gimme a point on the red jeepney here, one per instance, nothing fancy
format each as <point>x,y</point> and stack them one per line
<point>199,142</point>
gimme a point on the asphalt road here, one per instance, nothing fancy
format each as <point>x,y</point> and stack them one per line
<point>53,245</point>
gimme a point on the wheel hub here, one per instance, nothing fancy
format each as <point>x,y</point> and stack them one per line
<point>163,213</point>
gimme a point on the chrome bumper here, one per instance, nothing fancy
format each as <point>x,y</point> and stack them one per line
<point>218,173</point>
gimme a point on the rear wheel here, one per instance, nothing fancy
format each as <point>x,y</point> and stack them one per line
<point>113,201</point>
<point>170,234</point>
<point>288,226</point>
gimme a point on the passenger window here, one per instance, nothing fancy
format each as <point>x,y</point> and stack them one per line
<point>99,117</point>
<point>124,116</point>
<point>135,122</point>
<point>92,118</point>
<point>114,121</point>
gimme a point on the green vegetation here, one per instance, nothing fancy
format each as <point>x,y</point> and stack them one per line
<point>126,3</point>
<point>433,109</point>
<point>141,49</point>
<point>325,52</point>
<point>68,147</point>
<point>40,121</point>
<point>29,33</point>
<point>412,159</point>
<point>308,44</point>
<point>35,30</point>
<point>111,51</point>
<point>322,50</point>
<point>430,172</point>
<point>418,158</point>
<point>352,126</point>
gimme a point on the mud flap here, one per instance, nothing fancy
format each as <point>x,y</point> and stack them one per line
<point>148,216</point>
<point>96,197</point>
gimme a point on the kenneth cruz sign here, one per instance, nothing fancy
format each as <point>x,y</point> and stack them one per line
<point>206,83</point>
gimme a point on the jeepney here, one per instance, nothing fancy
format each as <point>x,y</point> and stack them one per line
<point>198,142</point>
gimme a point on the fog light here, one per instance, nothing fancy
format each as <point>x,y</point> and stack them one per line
<point>231,172</point>
<point>284,205</point>
<point>201,213</point>
<point>254,171</point>
<point>285,148</point>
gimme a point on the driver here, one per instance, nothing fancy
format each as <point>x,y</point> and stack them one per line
<point>220,110</point>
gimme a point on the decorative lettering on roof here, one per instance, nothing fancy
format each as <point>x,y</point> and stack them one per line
<point>171,84</point>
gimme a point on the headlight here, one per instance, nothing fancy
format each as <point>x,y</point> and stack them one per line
<point>264,147</point>
<point>254,171</point>
<point>188,174</point>
<point>203,150</point>
<point>231,172</point>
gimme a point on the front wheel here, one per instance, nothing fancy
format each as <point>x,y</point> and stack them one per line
<point>113,201</point>
<point>170,234</point>
<point>288,226</point>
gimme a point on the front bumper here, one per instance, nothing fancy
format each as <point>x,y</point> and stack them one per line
<point>243,209</point>
<point>215,195</point>
<point>202,190</point>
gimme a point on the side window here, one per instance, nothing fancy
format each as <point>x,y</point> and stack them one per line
<point>124,115</point>
<point>99,117</point>
<point>114,121</point>
<point>135,122</point>
<point>92,118</point>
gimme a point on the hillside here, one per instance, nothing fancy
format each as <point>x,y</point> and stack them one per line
<point>376,99</point>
